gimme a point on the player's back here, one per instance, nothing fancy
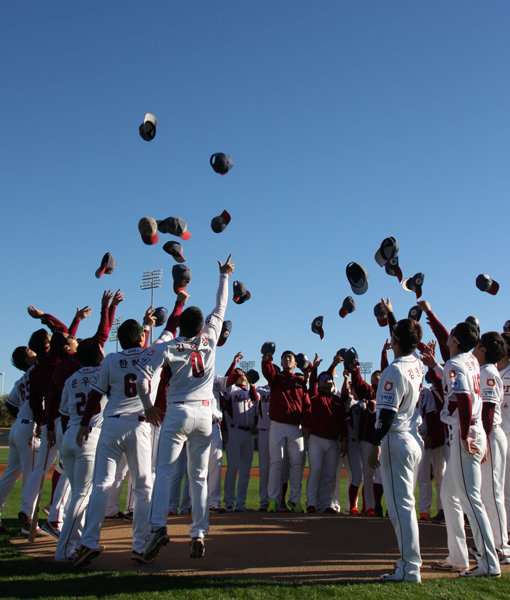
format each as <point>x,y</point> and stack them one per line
<point>75,395</point>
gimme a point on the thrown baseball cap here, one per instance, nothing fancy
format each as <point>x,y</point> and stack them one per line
<point>252,376</point>
<point>380,314</point>
<point>414,284</point>
<point>148,229</point>
<point>473,320</point>
<point>175,226</point>
<point>268,348</point>
<point>389,249</point>
<point>414,313</point>
<point>342,353</point>
<point>181,275</point>
<point>221,163</point>
<point>107,265</point>
<point>393,269</point>
<point>302,361</point>
<point>161,314</point>
<point>485,284</point>
<point>350,356</point>
<point>348,306</point>
<point>317,326</point>
<point>358,277</point>
<point>148,128</point>
<point>175,250</point>
<point>241,294</point>
<point>219,223</point>
<point>506,326</point>
<point>226,328</point>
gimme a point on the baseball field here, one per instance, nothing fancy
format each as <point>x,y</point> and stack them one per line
<point>249,555</point>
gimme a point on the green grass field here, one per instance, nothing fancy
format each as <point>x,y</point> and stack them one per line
<point>23,577</point>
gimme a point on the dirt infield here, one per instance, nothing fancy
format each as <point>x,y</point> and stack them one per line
<point>270,546</point>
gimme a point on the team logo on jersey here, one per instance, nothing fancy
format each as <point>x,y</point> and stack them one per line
<point>489,394</point>
<point>205,341</point>
<point>452,374</point>
<point>388,386</point>
<point>386,398</point>
<point>456,384</point>
<point>491,382</point>
<point>150,352</point>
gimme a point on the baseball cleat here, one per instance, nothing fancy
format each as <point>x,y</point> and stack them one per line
<point>38,532</point>
<point>439,518</point>
<point>310,509</point>
<point>503,560</point>
<point>271,507</point>
<point>217,509</point>
<point>156,541</point>
<point>197,548</point>
<point>118,515</point>
<point>24,520</point>
<point>399,578</point>
<point>85,555</point>
<point>331,511</point>
<point>51,528</point>
<point>378,511</point>
<point>296,507</point>
<point>370,512</point>
<point>474,553</point>
<point>137,557</point>
<point>477,572</point>
<point>354,511</point>
<point>444,565</point>
<point>424,516</point>
<point>229,509</point>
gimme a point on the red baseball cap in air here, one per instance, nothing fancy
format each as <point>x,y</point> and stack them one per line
<point>485,284</point>
<point>107,265</point>
<point>348,306</point>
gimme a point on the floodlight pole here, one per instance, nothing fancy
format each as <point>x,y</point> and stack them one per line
<point>365,368</point>
<point>113,332</point>
<point>2,392</point>
<point>150,281</point>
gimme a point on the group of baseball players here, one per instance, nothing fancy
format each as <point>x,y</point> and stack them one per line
<point>159,411</point>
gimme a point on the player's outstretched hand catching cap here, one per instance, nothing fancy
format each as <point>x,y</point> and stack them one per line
<point>241,294</point>
<point>486,284</point>
<point>148,128</point>
<point>175,250</point>
<point>348,306</point>
<point>392,268</point>
<point>107,265</point>
<point>350,356</point>
<point>389,249</point>
<point>414,284</point>
<point>226,329</point>
<point>221,163</point>
<point>414,313</point>
<point>174,226</point>
<point>148,229</point>
<point>357,276</point>
<point>268,349</point>
<point>181,275</point>
<point>380,314</point>
<point>317,326</point>
<point>219,223</point>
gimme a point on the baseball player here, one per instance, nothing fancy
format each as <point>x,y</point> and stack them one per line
<point>461,486</point>
<point>241,404</point>
<point>23,443</point>
<point>395,446</point>
<point>263,425</point>
<point>504,371</point>
<point>489,350</point>
<point>188,417</point>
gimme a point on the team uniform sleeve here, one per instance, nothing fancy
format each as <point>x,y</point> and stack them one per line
<point>457,381</point>
<point>214,320</point>
<point>488,389</point>
<point>64,403</point>
<point>14,398</point>
<point>153,358</point>
<point>390,390</point>
<point>101,379</point>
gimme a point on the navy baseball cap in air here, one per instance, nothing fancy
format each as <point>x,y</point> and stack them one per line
<point>241,294</point>
<point>181,275</point>
<point>485,284</point>
<point>221,163</point>
<point>348,306</point>
<point>414,284</point>
<point>148,128</point>
<point>219,223</point>
<point>302,361</point>
<point>350,356</point>
<point>380,314</point>
<point>107,265</point>
<point>175,250</point>
<point>161,314</point>
<point>342,353</point>
<point>358,277</point>
<point>317,326</point>
<point>268,348</point>
<point>175,226</point>
<point>252,376</point>
<point>389,249</point>
<point>393,269</point>
<point>473,320</point>
<point>148,229</point>
<point>414,313</point>
<point>226,328</point>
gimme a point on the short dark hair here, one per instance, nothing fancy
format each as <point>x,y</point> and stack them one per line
<point>19,357</point>
<point>506,337</point>
<point>89,353</point>
<point>38,341</point>
<point>191,322</point>
<point>408,333</point>
<point>58,342</point>
<point>466,335</point>
<point>129,334</point>
<point>252,376</point>
<point>288,352</point>
<point>495,346</point>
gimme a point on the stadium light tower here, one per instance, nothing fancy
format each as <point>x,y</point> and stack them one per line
<point>113,332</point>
<point>365,369</point>
<point>150,281</point>
<point>2,392</point>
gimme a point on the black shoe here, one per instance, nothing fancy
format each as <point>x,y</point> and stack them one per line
<point>197,547</point>
<point>378,511</point>
<point>439,518</point>
<point>119,515</point>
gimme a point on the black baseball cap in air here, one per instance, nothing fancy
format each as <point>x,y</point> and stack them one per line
<point>268,348</point>
<point>148,128</point>
<point>473,320</point>
<point>175,226</point>
<point>107,265</point>
<point>252,376</point>
<point>175,250</point>
<point>389,249</point>
<point>317,326</point>
<point>380,314</point>
<point>414,313</point>
<point>161,314</point>
<point>350,356</point>
<point>219,223</point>
<point>348,306</point>
<point>226,328</point>
<point>392,268</point>
<point>302,361</point>
<point>485,284</point>
<point>241,294</point>
<point>181,275</point>
<point>221,163</point>
<point>358,277</point>
<point>414,284</point>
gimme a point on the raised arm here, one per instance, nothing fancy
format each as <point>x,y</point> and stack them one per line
<point>438,329</point>
<point>231,374</point>
<point>46,319</point>
<point>173,320</point>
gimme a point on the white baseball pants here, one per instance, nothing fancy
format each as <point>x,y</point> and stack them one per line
<point>281,434</point>
<point>263,445</point>
<point>239,458</point>
<point>214,471</point>
<point>368,476</point>
<point>179,500</point>
<point>435,458</point>
<point>322,459</point>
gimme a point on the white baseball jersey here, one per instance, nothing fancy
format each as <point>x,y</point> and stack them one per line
<point>491,389</point>
<point>505,406</point>
<point>461,375</point>
<point>20,397</point>
<point>264,392</point>
<point>244,410</point>
<point>74,397</point>
<point>399,390</point>
<point>116,379</point>
<point>219,387</point>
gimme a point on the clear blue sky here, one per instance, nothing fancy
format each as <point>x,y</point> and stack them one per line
<point>347,122</point>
